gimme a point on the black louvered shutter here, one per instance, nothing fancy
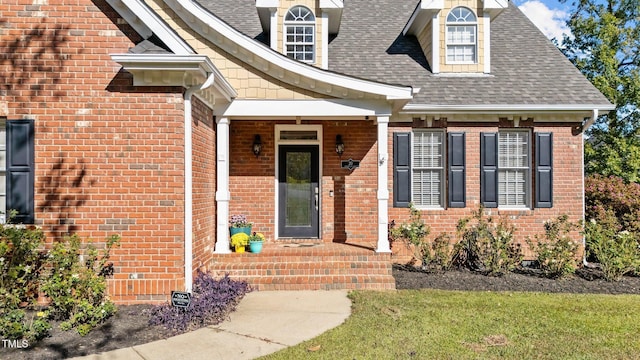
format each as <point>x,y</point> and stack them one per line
<point>489,169</point>
<point>544,170</point>
<point>456,165</point>
<point>401,169</point>
<point>20,170</point>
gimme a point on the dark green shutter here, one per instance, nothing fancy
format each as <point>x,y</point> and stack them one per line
<point>544,170</point>
<point>489,169</point>
<point>20,170</point>
<point>401,169</point>
<point>456,169</point>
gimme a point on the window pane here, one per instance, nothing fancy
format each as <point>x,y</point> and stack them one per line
<point>513,164</point>
<point>428,168</point>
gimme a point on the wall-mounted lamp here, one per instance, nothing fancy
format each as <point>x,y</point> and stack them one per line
<point>257,145</point>
<point>339,145</point>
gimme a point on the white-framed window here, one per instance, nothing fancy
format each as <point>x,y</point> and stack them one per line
<point>299,34</point>
<point>514,168</point>
<point>427,168</point>
<point>462,36</point>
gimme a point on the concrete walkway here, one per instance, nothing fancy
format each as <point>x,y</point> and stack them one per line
<point>264,322</point>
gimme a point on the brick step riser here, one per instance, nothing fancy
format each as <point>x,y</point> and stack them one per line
<point>302,265</point>
<point>298,258</point>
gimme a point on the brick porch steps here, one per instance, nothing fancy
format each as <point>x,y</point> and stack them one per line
<point>324,266</point>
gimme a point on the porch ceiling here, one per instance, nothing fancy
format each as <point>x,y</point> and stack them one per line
<point>333,109</point>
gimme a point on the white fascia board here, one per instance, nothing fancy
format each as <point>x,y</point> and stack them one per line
<point>329,108</point>
<point>500,109</point>
<point>265,8</point>
<point>187,9</point>
<point>196,64</point>
<point>494,7</point>
<point>421,15</point>
<point>331,4</point>
<point>139,26</point>
<point>158,27</point>
<point>333,8</point>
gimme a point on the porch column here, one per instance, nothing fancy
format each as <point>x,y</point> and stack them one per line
<point>383,186</point>
<point>222,193</point>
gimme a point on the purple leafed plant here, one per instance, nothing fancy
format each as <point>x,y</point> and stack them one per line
<point>211,301</point>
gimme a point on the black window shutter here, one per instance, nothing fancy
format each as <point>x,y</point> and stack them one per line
<point>401,169</point>
<point>20,170</point>
<point>457,181</point>
<point>489,169</point>
<point>544,170</point>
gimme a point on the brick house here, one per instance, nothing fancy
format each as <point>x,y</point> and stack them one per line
<point>321,120</point>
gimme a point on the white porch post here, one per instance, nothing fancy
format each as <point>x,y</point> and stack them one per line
<point>383,186</point>
<point>222,193</point>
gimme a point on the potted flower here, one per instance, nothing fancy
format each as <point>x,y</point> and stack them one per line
<point>255,242</point>
<point>239,241</point>
<point>239,224</point>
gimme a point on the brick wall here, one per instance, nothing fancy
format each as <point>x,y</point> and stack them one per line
<point>204,183</point>
<point>567,189</point>
<point>109,156</point>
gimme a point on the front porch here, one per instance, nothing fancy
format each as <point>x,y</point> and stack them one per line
<point>308,266</point>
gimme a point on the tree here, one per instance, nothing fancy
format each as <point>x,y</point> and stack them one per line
<point>604,45</point>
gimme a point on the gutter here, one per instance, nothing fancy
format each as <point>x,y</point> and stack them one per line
<point>188,181</point>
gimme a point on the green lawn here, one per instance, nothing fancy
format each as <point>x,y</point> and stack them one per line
<point>433,324</point>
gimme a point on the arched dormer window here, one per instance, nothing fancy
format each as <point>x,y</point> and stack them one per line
<point>299,41</point>
<point>462,39</point>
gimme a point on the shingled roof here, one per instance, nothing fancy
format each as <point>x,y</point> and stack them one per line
<point>526,68</point>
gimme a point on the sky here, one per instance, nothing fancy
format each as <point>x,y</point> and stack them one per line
<point>548,15</point>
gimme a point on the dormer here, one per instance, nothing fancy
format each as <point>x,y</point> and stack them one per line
<point>455,35</point>
<point>300,29</point>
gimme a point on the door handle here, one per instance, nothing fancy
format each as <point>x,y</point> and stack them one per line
<point>317,198</point>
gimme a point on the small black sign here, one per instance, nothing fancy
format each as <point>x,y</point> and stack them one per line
<point>350,164</point>
<point>180,299</point>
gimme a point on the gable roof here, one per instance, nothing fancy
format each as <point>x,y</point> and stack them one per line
<point>527,70</point>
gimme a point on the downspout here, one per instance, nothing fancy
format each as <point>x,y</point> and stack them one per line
<point>188,182</point>
<point>585,126</point>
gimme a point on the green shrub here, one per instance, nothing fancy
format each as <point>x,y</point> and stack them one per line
<point>613,201</point>
<point>486,245</point>
<point>21,261</point>
<point>617,252</point>
<point>21,264</point>
<point>440,257</point>
<point>413,235</point>
<point>77,287</point>
<point>556,252</point>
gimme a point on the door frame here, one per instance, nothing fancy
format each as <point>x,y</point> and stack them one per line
<point>278,142</point>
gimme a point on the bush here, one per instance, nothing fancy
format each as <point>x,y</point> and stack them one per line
<point>440,258</point>
<point>76,287</point>
<point>556,252</point>
<point>617,252</point>
<point>486,245</point>
<point>413,235</point>
<point>212,300</point>
<point>612,201</point>
<point>21,263</point>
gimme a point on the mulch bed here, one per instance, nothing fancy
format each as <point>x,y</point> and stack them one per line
<point>129,327</point>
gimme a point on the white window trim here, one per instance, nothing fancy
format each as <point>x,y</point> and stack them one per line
<point>528,173</point>
<point>278,142</point>
<point>288,23</point>
<point>443,169</point>
<point>474,44</point>
<point>3,171</point>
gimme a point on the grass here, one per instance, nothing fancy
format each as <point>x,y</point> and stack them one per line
<point>434,324</point>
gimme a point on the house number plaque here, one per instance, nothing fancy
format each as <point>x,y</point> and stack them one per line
<point>350,164</point>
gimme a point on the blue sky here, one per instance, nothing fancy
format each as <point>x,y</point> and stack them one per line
<point>548,15</point>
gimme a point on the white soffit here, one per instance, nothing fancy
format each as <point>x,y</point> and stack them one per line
<point>333,8</point>
<point>173,70</point>
<point>269,61</point>
<point>146,22</point>
<point>312,109</point>
<point>421,16</point>
<point>494,7</point>
<point>501,109</point>
<point>265,7</point>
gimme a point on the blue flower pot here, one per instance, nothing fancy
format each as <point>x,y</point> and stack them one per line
<point>255,246</point>
<point>235,230</point>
